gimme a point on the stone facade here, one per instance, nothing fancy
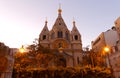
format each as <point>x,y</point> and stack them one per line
<point>6,61</point>
<point>61,37</point>
<point>108,38</point>
<point>117,25</point>
<point>115,63</point>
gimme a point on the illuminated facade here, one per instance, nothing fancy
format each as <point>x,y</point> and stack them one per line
<point>61,37</point>
<point>6,60</point>
<point>108,38</point>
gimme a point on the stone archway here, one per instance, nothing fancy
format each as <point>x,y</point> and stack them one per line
<point>60,43</point>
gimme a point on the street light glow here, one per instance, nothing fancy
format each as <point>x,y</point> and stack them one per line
<point>106,49</point>
<point>22,49</point>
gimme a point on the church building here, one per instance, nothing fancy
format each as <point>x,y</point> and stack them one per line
<point>61,38</point>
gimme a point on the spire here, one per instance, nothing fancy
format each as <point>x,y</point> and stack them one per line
<point>59,23</point>
<point>75,33</point>
<point>74,26</point>
<point>44,35</point>
<point>45,28</point>
<point>74,29</point>
<point>73,22</point>
<point>46,22</point>
<point>59,10</point>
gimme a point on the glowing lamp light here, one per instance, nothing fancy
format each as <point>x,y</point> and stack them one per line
<point>22,49</point>
<point>107,49</point>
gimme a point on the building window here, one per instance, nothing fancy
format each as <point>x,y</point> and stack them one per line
<point>44,37</point>
<point>52,35</point>
<point>67,36</point>
<point>60,34</point>
<point>59,23</point>
<point>76,37</point>
<point>116,48</point>
<point>115,22</point>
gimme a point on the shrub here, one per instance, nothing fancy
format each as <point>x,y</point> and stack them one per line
<point>63,72</point>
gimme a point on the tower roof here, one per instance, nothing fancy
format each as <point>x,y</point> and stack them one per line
<point>45,29</point>
<point>74,29</point>
<point>59,23</point>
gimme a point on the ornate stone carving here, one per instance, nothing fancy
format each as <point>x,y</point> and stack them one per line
<point>60,43</point>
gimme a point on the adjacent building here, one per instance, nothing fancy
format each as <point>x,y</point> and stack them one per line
<point>115,56</point>
<point>117,25</point>
<point>6,60</point>
<point>108,38</point>
<point>61,38</point>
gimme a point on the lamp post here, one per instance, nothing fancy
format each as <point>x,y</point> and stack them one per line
<point>20,55</point>
<point>107,50</point>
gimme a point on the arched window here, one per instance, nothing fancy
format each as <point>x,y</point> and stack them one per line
<point>67,36</point>
<point>44,37</point>
<point>60,34</point>
<point>76,37</point>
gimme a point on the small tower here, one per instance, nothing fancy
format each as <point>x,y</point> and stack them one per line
<point>76,44</point>
<point>75,35</point>
<point>44,36</point>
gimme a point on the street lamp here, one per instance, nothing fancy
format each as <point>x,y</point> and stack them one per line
<point>107,50</point>
<point>22,50</point>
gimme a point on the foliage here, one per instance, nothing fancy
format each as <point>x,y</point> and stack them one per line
<point>61,72</point>
<point>38,56</point>
<point>39,62</point>
<point>93,58</point>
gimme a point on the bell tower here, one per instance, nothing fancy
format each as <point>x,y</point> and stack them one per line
<point>44,36</point>
<point>76,45</point>
<point>76,37</point>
